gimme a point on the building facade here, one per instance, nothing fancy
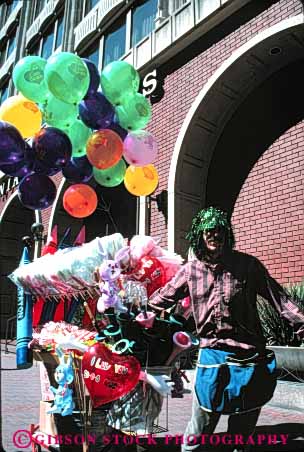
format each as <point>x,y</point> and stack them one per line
<point>225,81</point>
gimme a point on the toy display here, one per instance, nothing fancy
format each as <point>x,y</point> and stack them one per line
<point>91,314</point>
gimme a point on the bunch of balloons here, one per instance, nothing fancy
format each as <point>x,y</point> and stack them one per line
<point>62,121</point>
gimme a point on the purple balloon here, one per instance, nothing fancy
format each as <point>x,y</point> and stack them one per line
<point>96,111</point>
<point>94,77</point>
<point>11,144</point>
<point>118,129</point>
<point>20,169</point>
<point>37,191</point>
<point>76,174</point>
<point>81,162</point>
<point>52,150</point>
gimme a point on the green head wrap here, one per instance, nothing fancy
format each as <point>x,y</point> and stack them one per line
<point>209,218</point>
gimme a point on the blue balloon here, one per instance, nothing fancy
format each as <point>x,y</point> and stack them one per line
<point>81,162</point>
<point>118,129</point>
<point>94,77</point>
<point>20,169</point>
<point>51,151</point>
<point>96,111</point>
<point>11,144</point>
<point>37,191</point>
<point>76,174</point>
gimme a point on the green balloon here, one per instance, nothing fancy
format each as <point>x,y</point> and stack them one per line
<point>79,135</point>
<point>67,77</point>
<point>28,78</point>
<point>135,113</point>
<point>110,177</point>
<point>119,79</point>
<point>59,114</point>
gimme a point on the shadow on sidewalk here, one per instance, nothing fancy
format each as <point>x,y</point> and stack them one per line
<point>295,441</point>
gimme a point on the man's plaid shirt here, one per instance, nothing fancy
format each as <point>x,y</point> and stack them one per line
<point>223,299</point>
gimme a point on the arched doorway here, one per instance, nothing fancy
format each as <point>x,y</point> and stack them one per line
<point>254,97</point>
<point>116,212</point>
<point>15,223</point>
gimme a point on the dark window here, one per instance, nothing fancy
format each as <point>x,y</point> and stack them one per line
<point>39,7</point>
<point>115,43</point>
<point>59,33</point>
<point>11,44</point>
<point>4,92</point>
<point>47,43</point>
<point>143,20</point>
<point>10,7</point>
<point>89,5</point>
<point>2,55</point>
<point>92,54</point>
<point>35,49</point>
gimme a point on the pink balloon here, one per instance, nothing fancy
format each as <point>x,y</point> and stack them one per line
<point>186,302</point>
<point>140,148</point>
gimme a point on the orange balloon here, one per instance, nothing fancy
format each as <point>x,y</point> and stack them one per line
<point>80,200</point>
<point>104,148</point>
<point>141,180</point>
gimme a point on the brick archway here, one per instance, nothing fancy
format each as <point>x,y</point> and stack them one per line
<point>223,105</point>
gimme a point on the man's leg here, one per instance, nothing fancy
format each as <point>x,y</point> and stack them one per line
<point>201,422</point>
<point>243,425</point>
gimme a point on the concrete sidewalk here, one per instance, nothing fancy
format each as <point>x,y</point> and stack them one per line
<point>20,396</point>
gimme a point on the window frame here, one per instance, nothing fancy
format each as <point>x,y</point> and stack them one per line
<point>111,30</point>
<point>134,43</point>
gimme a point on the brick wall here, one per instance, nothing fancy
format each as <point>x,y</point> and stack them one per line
<point>181,88</point>
<point>269,214</point>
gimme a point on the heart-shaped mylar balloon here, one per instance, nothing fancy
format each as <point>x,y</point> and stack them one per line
<point>108,376</point>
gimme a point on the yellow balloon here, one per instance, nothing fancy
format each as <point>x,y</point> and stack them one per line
<point>23,114</point>
<point>141,180</point>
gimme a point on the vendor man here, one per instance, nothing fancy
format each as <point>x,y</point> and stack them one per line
<point>235,373</point>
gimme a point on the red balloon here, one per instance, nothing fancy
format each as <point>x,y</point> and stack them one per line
<point>80,200</point>
<point>108,376</point>
<point>150,271</point>
<point>104,148</point>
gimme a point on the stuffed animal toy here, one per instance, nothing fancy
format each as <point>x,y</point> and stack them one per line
<point>63,401</point>
<point>109,274</point>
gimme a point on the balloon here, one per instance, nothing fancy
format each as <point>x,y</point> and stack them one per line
<point>108,376</point>
<point>141,180</point>
<point>150,271</point>
<point>23,114</point>
<point>11,144</point>
<point>140,148</point>
<point>59,114</point>
<point>110,177</point>
<point>119,79</point>
<point>81,162</point>
<point>52,150</point>
<point>20,169</point>
<point>80,200</point>
<point>186,302</point>
<point>79,135</point>
<point>94,76</point>
<point>67,77</point>
<point>118,129</point>
<point>96,111</point>
<point>104,149</point>
<point>134,113</point>
<point>75,174</point>
<point>28,78</point>
<point>37,191</point>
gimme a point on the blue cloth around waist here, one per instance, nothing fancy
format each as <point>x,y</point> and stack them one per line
<point>228,384</point>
